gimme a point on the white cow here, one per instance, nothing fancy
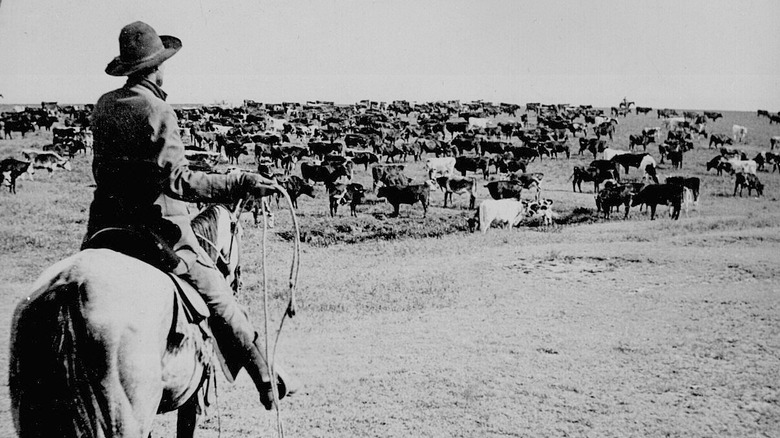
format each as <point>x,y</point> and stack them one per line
<point>673,123</point>
<point>503,211</point>
<point>738,132</point>
<point>442,166</point>
<point>51,161</point>
<point>476,122</point>
<point>742,166</point>
<point>276,124</point>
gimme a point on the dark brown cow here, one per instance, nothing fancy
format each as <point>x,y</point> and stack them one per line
<point>654,194</point>
<point>389,175</point>
<point>325,173</point>
<point>409,194</point>
<point>590,174</point>
<point>295,187</point>
<point>614,196</point>
<point>11,169</point>
<point>472,163</point>
<point>720,140</point>
<point>505,189</point>
<point>750,181</point>
<point>692,183</point>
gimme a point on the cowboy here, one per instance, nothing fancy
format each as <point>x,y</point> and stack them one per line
<point>143,179</point>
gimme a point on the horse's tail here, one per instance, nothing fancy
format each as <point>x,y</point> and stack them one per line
<point>52,392</point>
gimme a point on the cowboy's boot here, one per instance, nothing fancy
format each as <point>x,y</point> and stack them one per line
<point>257,368</point>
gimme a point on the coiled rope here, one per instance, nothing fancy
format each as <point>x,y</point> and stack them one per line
<point>270,353</point>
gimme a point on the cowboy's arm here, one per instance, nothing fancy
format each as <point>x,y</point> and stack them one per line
<point>189,185</point>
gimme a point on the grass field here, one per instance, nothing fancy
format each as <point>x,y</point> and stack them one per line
<point>607,328</point>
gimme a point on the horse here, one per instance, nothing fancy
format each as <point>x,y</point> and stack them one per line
<point>96,350</point>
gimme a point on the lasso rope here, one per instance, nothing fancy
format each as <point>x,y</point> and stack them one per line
<point>270,354</point>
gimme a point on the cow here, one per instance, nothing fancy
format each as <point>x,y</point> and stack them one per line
<point>456,185</point>
<point>605,166</point>
<point>11,169</point>
<point>742,166</point>
<point>525,153</point>
<point>441,166</point>
<point>295,186</point>
<point>234,150</point>
<point>633,160</point>
<point>614,196</point>
<point>557,147</point>
<point>750,181</point>
<point>409,194</point>
<point>716,163</point>
<point>643,109</point>
<point>320,149</point>
<point>325,173</point>
<point>51,161</point>
<point>720,140</point>
<point>774,141</point>
<point>638,140</point>
<point>456,127</point>
<point>773,159</point>
<point>592,145</point>
<point>691,183</point>
<point>388,175</point>
<point>739,133</point>
<point>341,194</point>
<point>605,129</point>
<point>529,181</point>
<point>503,212</point>
<point>650,173</point>
<point>589,174</point>
<point>21,126</point>
<point>505,164</point>
<point>651,133</point>
<point>541,209</point>
<point>712,115</point>
<point>478,123</point>
<point>493,147</point>
<point>654,194</point>
<point>505,189</point>
<point>287,155</point>
<point>472,163</point>
<point>363,157</point>
<point>676,157</point>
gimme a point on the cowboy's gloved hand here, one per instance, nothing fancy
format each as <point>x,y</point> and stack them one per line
<point>259,186</point>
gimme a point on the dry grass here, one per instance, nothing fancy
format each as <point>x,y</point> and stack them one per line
<point>412,327</point>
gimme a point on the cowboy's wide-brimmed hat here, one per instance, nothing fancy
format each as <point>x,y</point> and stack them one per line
<point>139,48</point>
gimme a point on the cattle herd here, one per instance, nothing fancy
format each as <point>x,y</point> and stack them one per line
<point>413,150</point>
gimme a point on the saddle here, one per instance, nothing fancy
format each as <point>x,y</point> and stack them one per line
<point>147,246</point>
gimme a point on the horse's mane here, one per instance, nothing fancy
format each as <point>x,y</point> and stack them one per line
<point>205,226</point>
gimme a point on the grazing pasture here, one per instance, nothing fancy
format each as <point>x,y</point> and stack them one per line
<point>416,327</point>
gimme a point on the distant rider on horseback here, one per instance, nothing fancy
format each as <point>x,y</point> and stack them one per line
<point>143,179</point>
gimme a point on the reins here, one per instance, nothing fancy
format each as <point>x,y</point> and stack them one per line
<point>233,231</point>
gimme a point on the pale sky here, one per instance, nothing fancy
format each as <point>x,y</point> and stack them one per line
<point>680,54</point>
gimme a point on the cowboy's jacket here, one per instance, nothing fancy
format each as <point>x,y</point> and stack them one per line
<point>141,173</point>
